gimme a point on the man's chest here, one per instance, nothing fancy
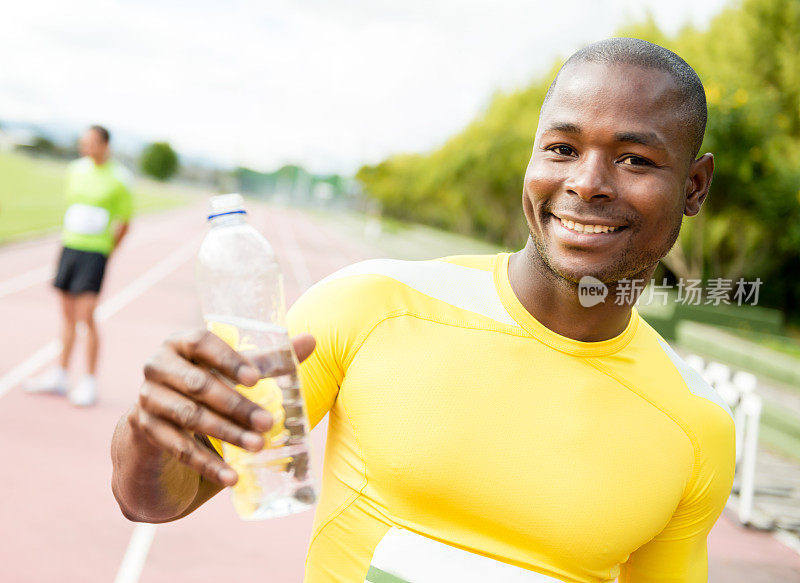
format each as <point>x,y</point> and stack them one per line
<point>503,434</point>
<point>96,189</point>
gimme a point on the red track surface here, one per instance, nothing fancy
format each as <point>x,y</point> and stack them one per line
<point>59,519</point>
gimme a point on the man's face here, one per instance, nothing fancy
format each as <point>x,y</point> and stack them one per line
<point>611,155</point>
<point>92,144</point>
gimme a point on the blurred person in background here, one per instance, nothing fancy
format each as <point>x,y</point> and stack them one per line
<point>485,423</point>
<point>99,207</point>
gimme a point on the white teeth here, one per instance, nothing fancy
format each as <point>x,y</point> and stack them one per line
<point>587,228</point>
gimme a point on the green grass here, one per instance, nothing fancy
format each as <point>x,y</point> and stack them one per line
<point>32,195</point>
<point>784,344</point>
<point>780,441</point>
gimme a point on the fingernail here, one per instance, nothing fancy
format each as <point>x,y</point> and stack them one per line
<point>227,475</point>
<point>252,440</point>
<point>249,375</point>
<point>261,420</point>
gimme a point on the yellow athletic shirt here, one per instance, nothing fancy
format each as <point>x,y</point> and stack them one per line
<point>467,442</point>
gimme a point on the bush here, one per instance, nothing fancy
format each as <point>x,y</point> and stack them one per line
<point>159,160</point>
<point>729,348</point>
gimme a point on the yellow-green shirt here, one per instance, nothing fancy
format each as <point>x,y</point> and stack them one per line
<point>98,197</point>
<point>467,442</point>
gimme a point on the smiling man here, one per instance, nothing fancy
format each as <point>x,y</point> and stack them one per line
<point>484,425</point>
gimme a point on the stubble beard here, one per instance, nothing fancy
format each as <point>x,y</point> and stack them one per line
<point>629,264</point>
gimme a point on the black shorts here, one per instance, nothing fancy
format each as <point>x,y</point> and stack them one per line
<point>80,271</point>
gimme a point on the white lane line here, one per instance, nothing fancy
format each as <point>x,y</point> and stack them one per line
<point>156,273</point>
<point>29,366</point>
<point>789,539</point>
<point>139,546</point>
<point>46,272</point>
<point>27,279</point>
<point>107,309</point>
<point>149,231</point>
<point>135,555</point>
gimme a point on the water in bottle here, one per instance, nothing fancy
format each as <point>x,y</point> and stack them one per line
<point>241,296</point>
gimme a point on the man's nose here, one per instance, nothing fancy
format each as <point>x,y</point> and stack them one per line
<point>590,179</point>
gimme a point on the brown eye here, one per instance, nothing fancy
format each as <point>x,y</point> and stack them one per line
<point>562,150</point>
<point>636,161</point>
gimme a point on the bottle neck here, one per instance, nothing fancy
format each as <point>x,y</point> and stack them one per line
<point>227,219</point>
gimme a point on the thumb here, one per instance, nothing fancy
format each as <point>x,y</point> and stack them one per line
<point>303,345</point>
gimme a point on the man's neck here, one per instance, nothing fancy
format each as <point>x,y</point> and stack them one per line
<point>554,301</point>
<point>100,160</point>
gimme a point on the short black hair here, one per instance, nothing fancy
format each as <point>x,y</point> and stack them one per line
<point>634,51</point>
<point>104,133</point>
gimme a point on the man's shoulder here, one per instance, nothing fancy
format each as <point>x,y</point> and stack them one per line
<point>379,287</point>
<point>396,283</point>
<point>413,273</point>
<point>705,417</point>
<point>122,173</point>
<point>679,390</point>
<point>80,165</point>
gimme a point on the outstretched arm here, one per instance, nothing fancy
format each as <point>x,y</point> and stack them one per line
<point>164,468</point>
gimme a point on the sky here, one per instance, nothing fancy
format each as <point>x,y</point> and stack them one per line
<point>329,84</point>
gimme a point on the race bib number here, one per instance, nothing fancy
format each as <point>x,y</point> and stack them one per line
<point>85,219</point>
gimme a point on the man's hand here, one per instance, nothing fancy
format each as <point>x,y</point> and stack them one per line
<point>186,392</point>
<point>119,234</point>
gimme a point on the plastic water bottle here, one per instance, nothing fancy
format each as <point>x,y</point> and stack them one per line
<point>241,295</point>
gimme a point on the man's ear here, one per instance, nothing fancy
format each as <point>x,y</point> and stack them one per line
<point>697,183</point>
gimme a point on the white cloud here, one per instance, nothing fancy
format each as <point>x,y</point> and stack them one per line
<point>328,83</point>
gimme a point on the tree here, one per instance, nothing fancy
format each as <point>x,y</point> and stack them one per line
<point>159,160</point>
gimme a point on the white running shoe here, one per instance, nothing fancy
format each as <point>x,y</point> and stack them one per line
<point>84,394</point>
<point>53,381</point>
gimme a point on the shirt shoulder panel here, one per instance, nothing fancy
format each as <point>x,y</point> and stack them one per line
<point>694,381</point>
<point>482,262</point>
<point>468,288</point>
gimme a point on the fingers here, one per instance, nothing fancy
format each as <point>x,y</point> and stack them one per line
<point>201,386</point>
<point>186,391</point>
<point>188,415</point>
<point>186,450</point>
<point>210,350</point>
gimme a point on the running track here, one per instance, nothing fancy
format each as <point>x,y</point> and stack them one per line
<point>60,522</point>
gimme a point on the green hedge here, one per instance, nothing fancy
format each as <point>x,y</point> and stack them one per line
<point>732,349</point>
<point>779,342</point>
<point>785,443</point>
<point>665,318</point>
<point>781,430</point>
<point>754,318</point>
